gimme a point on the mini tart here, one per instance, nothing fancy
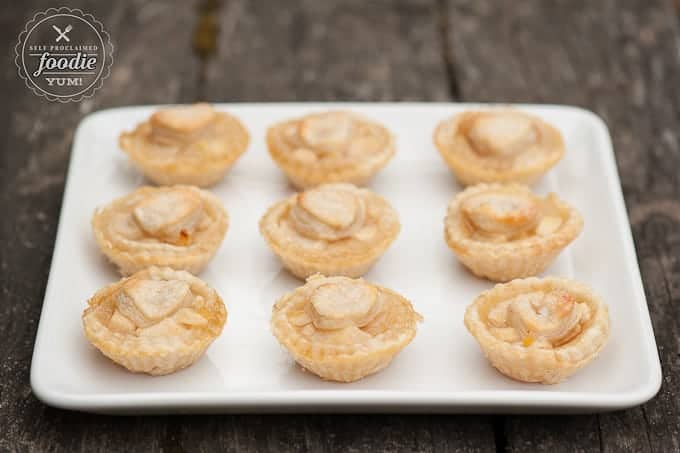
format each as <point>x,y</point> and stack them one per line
<point>334,229</point>
<point>498,146</point>
<point>539,330</point>
<point>180,227</point>
<point>157,321</point>
<point>193,145</point>
<point>502,232</point>
<point>330,147</point>
<point>343,329</point>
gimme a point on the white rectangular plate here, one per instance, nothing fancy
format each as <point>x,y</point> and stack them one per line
<point>441,370</point>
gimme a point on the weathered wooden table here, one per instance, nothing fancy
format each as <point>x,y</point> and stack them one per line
<point>619,58</point>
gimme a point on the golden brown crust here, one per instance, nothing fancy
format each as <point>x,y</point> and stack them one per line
<point>350,256</point>
<point>131,249</point>
<point>473,161</point>
<point>540,361</point>
<point>365,347</point>
<point>156,354</point>
<point>184,156</point>
<point>347,148</point>
<point>500,258</point>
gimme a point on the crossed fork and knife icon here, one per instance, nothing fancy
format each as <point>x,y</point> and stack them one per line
<point>62,34</point>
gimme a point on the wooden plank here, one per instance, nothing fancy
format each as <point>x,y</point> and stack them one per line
<point>352,50</point>
<point>153,44</point>
<point>306,433</point>
<point>618,58</point>
<point>552,434</point>
<point>310,50</point>
<point>393,54</point>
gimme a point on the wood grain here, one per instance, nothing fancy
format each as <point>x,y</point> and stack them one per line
<point>155,63</point>
<point>311,50</point>
<point>351,50</point>
<point>152,47</point>
<point>620,59</point>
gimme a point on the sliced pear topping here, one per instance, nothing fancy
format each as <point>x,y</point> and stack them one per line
<point>367,233</point>
<point>501,213</point>
<point>336,208</point>
<point>120,323</point>
<point>327,131</point>
<point>300,319</point>
<point>345,336</point>
<point>555,317</point>
<point>343,302</point>
<point>166,328</point>
<point>502,133</point>
<point>331,212</point>
<point>305,155</point>
<point>145,302</point>
<point>308,330</point>
<point>184,119</point>
<point>498,315</point>
<point>365,145</point>
<point>190,317</point>
<point>548,225</point>
<point>171,215</point>
<point>505,334</point>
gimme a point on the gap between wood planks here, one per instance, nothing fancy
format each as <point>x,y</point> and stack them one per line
<point>204,40</point>
<point>454,90</point>
<point>447,52</point>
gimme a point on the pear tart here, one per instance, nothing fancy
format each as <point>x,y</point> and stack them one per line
<point>334,229</point>
<point>539,330</point>
<point>330,147</point>
<point>343,329</point>
<point>498,146</point>
<point>186,145</point>
<point>502,232</point>
<point>180,227</point>
<point>157,321</point>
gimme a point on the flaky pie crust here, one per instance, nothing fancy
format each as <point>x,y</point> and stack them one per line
<point>392,327</point>
<point>524,360</point>
<point>506,260</point>
<point>473,164</point>
<point>202,159</point>
<point>131,255</point>
<point>349,256</point>
<point>156,354</point>
<point>354,158</point>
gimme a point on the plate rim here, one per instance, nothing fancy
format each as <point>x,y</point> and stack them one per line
<point>498,401</point>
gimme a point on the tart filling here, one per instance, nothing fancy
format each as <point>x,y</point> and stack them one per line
<point>157,321</point>
<point>334,229</point>
<point>343,329</point>
<point>502,232</point>
<point>180,227</point>
<point>498,146</point>
<point>186,145</point>
<point>539,330</point>
<point>330,147</point>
